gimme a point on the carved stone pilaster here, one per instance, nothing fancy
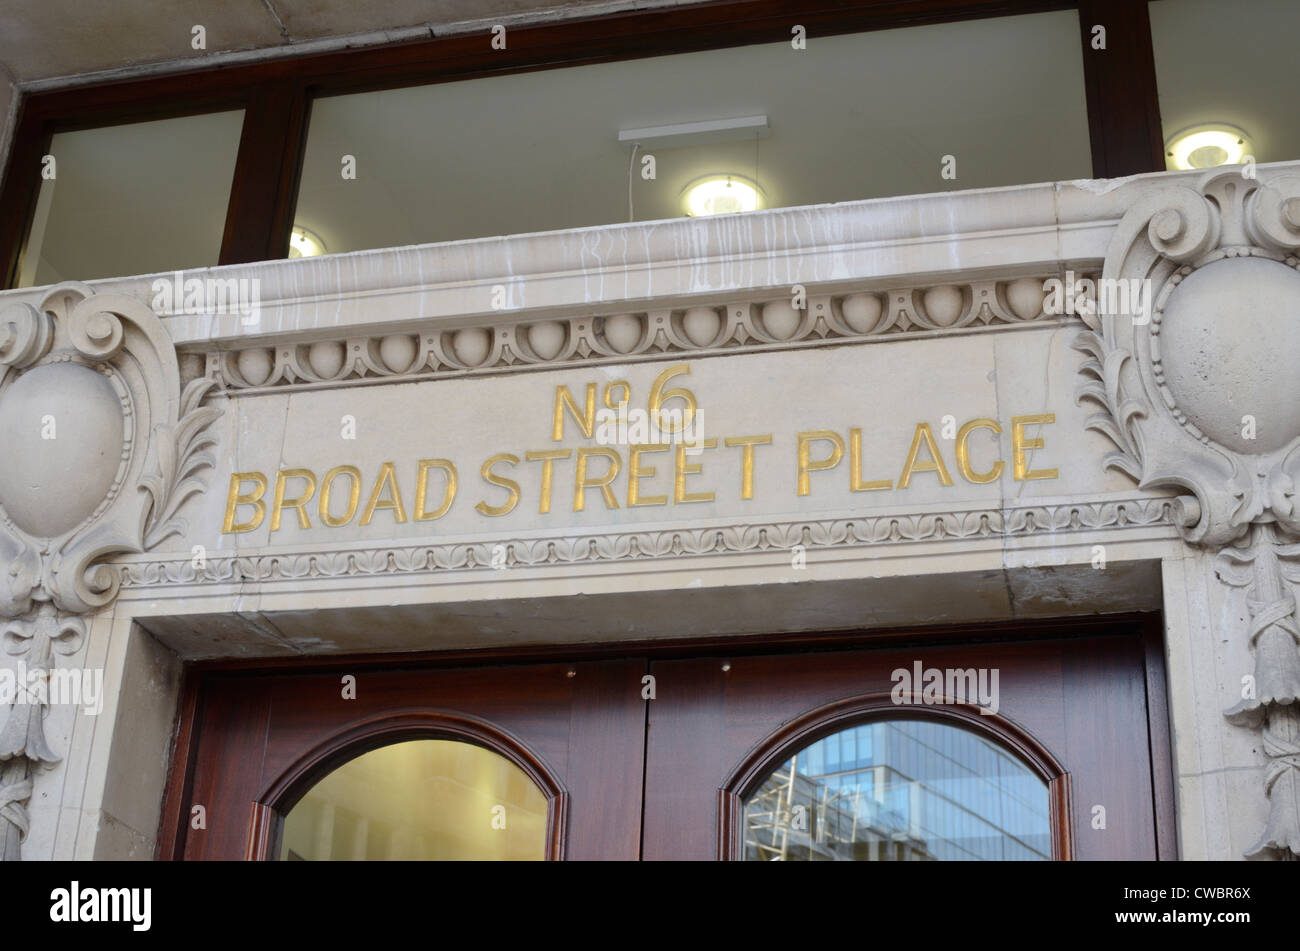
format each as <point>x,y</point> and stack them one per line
<point>1201,392</point>
<point>102,446</point>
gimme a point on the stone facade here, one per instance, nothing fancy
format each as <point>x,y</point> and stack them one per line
<point>917,419</point>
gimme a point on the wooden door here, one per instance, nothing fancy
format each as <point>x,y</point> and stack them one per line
<point>1080,710</point>
<point>257,742</point>
<point>1085,713</point>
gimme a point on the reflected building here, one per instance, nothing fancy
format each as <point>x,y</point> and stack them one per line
<point>901,790</point>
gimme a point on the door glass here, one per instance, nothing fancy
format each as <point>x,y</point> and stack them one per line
<point>900,790</point>
<point>423,799</point>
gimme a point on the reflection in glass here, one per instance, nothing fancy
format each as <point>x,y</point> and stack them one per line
<point>423,799</point>
<point>906,790</point>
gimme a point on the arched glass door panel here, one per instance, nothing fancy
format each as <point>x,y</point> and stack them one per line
<point>421,799</point>
<point>900,790</point>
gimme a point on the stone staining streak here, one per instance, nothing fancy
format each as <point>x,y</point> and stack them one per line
<point>104,448</point>
<point>1205,398</point>
<point>698,330</point>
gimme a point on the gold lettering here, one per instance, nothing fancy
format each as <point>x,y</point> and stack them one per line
<point>354,495</point>
<point>684,468</point>
<point>234,499</point>
<point>422,485</point>
<point>508,506</point>
<point>586,420</point>
<point>547,458</point>
<point>806,462</point>
<point>582,482</point>
<point>636,472</point>
<point>935,464</point>
<point>963,451</point>
<point>299,504</point>
<point>747,444</point>
<point>658,396</point>
<point>855,467</point>
<point>609,391</point>
<point>1019,445</point>
<point>386,482</point>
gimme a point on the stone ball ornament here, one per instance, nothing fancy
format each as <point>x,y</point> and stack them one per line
<point>104,444</point>
<point>63,426</point>
<point>1193,366</point>
<point>1229,352</point>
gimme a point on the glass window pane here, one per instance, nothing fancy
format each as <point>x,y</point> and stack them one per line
<point>938,792</point>
<point>849,117</point>
<point>424,799</point>
<point>133,199</point>
<point>1228,72</point>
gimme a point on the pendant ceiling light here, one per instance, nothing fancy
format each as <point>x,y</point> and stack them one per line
<point>1207,146</point>
<point>721,194</point>
<point>305,244</point>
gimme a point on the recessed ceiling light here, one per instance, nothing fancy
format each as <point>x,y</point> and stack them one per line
<point>721,195</point>
<point>305,244</point>
<point>1207,146</point>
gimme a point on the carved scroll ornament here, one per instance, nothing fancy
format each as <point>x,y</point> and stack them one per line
<point>1204,397</point>
<point>102,447</point>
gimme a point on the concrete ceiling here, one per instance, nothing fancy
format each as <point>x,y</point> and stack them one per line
<point>47,39</point>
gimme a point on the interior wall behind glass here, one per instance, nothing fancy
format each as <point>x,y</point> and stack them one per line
<point>851,117</point>
<point>133,199</point>
<point>1231,63</point>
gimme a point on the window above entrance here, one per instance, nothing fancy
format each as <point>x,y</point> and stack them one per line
<point>716,108</point>
<point>840,118</point>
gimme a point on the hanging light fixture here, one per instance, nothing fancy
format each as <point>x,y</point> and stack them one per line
<point>1207,146</point>
<point>304,243</point>
<point>721,194</point>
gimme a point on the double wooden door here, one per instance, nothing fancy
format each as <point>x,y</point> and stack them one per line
<point>654,755</point>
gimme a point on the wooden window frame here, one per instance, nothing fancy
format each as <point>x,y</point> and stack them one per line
<point>1123,111</point>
